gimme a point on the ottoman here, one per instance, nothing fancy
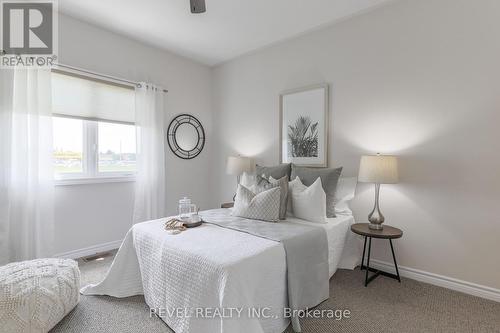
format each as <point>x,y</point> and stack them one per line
<point>35,295</point>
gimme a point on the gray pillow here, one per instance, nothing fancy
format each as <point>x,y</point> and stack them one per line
<point>263,206</point>
<point>277,172</point>
<point>263,184</point>
<point>329,180</point>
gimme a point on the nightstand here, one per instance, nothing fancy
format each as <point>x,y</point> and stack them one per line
<point>227,205</point>
<point>387,232</point>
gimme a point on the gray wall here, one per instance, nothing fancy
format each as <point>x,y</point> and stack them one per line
<point>419,79</point>
<point>88,215</point>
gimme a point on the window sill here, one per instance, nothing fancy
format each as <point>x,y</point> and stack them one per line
<point>95,180</point>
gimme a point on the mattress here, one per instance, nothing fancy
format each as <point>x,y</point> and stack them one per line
<point>344,249</point>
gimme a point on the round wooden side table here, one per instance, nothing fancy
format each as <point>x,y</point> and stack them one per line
<point>387,232</point>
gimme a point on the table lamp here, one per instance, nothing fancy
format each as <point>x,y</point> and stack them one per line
<point>236,165</point>
<point>378,169</point>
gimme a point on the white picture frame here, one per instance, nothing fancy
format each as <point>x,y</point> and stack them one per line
<point>304,126</point>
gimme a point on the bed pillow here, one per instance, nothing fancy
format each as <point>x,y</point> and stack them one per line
<point>263,184</point>
<point>346,189</point>
<point>329,180</point>
<point>309,202</point>
<point>248,179</point>
<point>277,172</point>
<point>291,185</point>
<point>263,206</point>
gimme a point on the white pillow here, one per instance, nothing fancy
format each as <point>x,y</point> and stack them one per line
<point>248,179</point>
<point>308,203</point>
<point>346,189</point>
<point>291,185</point>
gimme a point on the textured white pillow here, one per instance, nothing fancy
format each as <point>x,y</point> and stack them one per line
<point>308,203</point>
<point>346,189</point>
<point>291,185</point>
<point>263,184</point>
<point>262,206</point>
<point>248,179</point>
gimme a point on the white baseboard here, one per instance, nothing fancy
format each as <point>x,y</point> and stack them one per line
<point>440,280</point>
<point>91,250</point>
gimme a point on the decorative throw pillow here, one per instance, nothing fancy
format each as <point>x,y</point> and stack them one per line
<point>248,179</point>
<point>263,206</point>
<point>329,180</point>
<point>277,172</point>
<point>346,188</point>
<point>309,203</point>
<point>291,186</point>
<point>263,184</point>
<point>260,185</point>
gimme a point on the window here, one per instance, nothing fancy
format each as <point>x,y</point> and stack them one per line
<point>116,144</point>
<point>68,145</point>
<point>93,130</point>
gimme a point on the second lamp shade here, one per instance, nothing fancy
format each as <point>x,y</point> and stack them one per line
<point>382,169</point>
<point>236,165</point>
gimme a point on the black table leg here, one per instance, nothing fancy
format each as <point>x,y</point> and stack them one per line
<point>363,258</point>
<point>377,272</point>
<point>394,258</point>
<point>368,260</point>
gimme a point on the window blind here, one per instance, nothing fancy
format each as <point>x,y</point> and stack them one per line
<point>77,97</point>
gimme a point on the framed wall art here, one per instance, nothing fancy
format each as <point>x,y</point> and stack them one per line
<point>304,126</point>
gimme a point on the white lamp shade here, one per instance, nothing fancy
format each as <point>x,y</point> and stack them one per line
<point>382,169</point>
<point>236,165</point>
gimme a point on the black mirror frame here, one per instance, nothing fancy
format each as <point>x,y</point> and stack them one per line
<point>172,141</point>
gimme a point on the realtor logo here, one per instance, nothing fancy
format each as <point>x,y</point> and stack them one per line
<point>28,29</point>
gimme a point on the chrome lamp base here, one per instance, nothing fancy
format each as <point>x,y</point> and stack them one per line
<point>375,226</point>
<point>375,217</point>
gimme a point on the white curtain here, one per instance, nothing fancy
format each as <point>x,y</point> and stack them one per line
<point>150,183</point>
<point>26,175</point>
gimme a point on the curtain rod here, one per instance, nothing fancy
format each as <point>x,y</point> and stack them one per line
<point>109,77</point>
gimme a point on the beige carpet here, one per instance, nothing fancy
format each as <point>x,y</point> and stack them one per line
<point>384,306</point>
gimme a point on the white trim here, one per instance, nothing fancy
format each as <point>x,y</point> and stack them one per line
<point>91,250</point>
<point>94,180</point>
<point>440,280</point>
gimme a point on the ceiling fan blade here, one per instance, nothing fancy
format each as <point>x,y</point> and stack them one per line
<point>198,6</point>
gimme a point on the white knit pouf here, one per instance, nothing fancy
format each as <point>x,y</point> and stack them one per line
<point>35,295</point>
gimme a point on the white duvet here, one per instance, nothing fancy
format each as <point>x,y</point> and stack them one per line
<point>208,278</point>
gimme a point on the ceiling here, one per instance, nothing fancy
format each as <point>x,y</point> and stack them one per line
<point>228,29</point>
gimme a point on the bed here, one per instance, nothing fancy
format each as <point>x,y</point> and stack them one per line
<point>214,279</point>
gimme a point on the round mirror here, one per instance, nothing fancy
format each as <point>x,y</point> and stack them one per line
<point>186,137</point>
